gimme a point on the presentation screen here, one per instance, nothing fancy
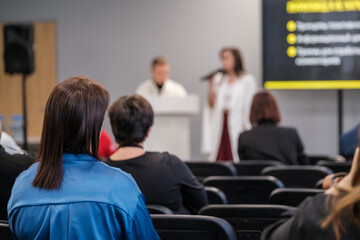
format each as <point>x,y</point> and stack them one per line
<point>311,44</point>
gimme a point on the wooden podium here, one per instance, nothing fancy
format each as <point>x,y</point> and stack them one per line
<point>171,129</point>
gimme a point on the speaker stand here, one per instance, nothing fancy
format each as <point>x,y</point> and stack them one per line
<point>24,76</point>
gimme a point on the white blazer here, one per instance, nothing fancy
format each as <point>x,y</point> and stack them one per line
<point>242,92</point>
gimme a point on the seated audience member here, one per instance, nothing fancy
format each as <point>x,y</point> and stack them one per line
<point>106,145</point>
<point>68,193</point>
<point>163,178</point>
<point>348,142</point>
<point>266,140</point>
<point>160,84</point>
<point>11,165</point>
<point>9,144</point>
<point>332,216</point>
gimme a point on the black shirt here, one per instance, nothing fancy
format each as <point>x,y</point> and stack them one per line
<point>165,180</point>
<point>267,141</point>
<point>305,224</point>
<point>10,167</point>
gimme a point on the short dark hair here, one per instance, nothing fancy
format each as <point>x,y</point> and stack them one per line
<point>264,107</point>
<point>239,66</point>
<point>131,116</point>
<point>73,118</point>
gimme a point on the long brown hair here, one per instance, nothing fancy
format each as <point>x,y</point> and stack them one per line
<point>345,201</point>
<point>239,66</point>
<point>74,114</point>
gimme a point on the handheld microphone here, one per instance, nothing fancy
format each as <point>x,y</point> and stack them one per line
<point>208,76</point>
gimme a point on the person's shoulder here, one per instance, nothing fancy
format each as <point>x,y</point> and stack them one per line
<point>25,178</point>
<point>143,86</point>
<point>118,175</point>
<point>248,77</point>
<point>247,133</point>
<point>174,83</point>
<point>165,157</point>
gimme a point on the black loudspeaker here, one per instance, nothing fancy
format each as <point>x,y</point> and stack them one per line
<point>18,48</point>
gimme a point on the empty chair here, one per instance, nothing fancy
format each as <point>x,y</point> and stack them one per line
<point>248,220</point>
<point>292,196</point>
<point>207,169</point>
<point>190,227</point>
<point>254,167</point>
<point>5,233</point>
<point>336,166</point>
<point>158,209</point>
<point>215,196</point>
<point>245,189</point>
<point>298,176</point>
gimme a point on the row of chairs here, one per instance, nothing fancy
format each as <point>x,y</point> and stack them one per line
<point>204,169</point>
<point>242,222</point>
<point>255,190</point>
<point>290,176</point>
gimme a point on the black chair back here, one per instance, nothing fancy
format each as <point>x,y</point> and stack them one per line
<point>5,233</point>
<point>205,169</point>
<point>245,189</point>
<point>292,196</point>
<point>248,220</point>
<point>215,196</point>
<point>158,209</point>
<point>254,167</point>
<point>298,176</point>
<point>336,166</point>
<point>313,159</point>
<point>190,227</point>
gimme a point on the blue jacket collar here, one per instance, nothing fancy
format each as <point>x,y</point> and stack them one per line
<point>67,157</point>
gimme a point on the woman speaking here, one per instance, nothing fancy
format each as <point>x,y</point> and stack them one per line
<point>226,113</point>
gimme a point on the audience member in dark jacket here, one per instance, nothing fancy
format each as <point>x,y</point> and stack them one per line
<point>163,178</point>
<point>11,165</point>
<point>266,140</point>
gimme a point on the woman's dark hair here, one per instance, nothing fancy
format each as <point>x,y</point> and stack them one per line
<point>131,116</point>
<point>239,67</point>
<point>73,118</point>
<point>264,107</point>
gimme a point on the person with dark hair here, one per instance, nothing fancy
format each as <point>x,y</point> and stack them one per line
<point>163,178</point>
<point>160,84</point>
<point>266,140</point>
<point>11,165</point>
<point>226,113</point>
<point>68,193</point>
<point>333,215</point>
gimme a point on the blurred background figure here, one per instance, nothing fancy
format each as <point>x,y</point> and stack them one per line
<point>160,84</point>
<point>9,144</point>
<point>266,140</point>
<point>106,145</point>
<point>226,113</point>
<point>349,141</point>
<point>11,165</point>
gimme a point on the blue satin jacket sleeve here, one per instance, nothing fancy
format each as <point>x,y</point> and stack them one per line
<point>142,227</point>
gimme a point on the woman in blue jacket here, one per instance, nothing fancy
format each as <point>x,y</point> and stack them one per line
<point>68,193</point>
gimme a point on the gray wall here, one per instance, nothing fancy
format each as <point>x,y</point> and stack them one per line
<point>114,42</point>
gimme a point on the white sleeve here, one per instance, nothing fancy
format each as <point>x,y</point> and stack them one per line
<point>142,89</point>
<point>250,90</point>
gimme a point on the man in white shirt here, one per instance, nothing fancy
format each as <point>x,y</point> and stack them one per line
<point>160,84</point>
